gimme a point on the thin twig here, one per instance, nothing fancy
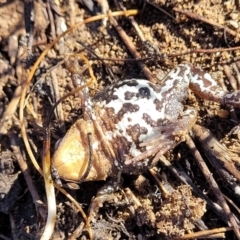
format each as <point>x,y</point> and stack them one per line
<point>172,55</point>
<point>13,227</point>
<point>213,185</point>
<point>10,109</point>
<point>216,149</point>
<point>131,196</point>
<point>205,233</point>
<point>203,19</point>
<point>132,21</point>
<point>29,22</point>
<point>4,237</point>
<point>77,232</point>
<point>26,173</point>
<point>232,80</point>
<point>218,156</point>
<point>109,71</point>
<point>233,204</point>
<point>50,14</point>
<point>131,48</point>
<point>165,192</point>
<point>237,71</point>
<point>161,9</point>
<point>183,177</point>
<point>59,109</point>
<point>201,50</point>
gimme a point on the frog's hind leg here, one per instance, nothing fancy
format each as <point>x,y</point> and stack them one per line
<point>203,85</point>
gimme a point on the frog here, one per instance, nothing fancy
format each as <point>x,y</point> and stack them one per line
<point>130,124</point>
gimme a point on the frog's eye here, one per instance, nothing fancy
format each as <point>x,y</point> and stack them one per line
<point>144,92</point>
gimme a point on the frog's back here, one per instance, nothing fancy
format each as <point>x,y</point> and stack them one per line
<point>131,112</point>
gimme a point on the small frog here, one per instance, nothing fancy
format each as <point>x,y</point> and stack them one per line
<point>126,127</point>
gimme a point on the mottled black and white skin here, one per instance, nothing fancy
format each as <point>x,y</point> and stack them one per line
<point>147,118</point>
<point>134,122</point>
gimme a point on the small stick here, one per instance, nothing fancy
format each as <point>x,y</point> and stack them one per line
<point>205,233</point>
<point>132,21</point>
<point>201,50</point>
<point>52,24</point>
<point>71,4</point>
<point>13,227</point>
<point>214,148</point>
<point>183,177</point>
<point>77,231</point>
<point>160,9</point>
<point>108,70</point>
<point>230,77</point>
<point>26,173</point>
<point>131,196</point>
<point>218,156</point>
<point>137,28</point>
<point>59,109</point>
<point>4,237</point>
<point>172,55</point>
<point>10,109</point>
<point>29,23</point>
<point>131,48</point>
<point>203,19</point>
<point>236,67</point>
<point>233,204</point>
<point>155,176</point>
<point>221,82</point>
<point>211,181</point>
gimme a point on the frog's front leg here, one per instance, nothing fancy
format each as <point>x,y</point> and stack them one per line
<point>203,85</point>
<point>105,194</point>
<point>167,136</point>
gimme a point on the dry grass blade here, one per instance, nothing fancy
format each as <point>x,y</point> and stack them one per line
<point>49,188</point>
<point>207,233</point>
